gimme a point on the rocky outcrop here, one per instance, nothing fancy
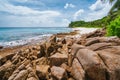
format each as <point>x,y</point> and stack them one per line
<point>57,59</point>
<point>89,57</point>
<point>1,47</point>
<point>58,73</point>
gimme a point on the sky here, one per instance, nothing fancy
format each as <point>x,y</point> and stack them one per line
<point>50,13</point>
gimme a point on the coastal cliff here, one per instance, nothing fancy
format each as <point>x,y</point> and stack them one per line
<point>87,57</point>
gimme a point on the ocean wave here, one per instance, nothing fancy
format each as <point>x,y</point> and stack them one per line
<point>25,40</point>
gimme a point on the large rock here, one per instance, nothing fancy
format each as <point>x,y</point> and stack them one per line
<point>99,46</point>
<point>112,39</point>
<point>42,51</point>
<point>92,64</point>
<point>22,75</point>
<point>58,73</point>
<point>91,41</point>
<point>42,61</point>
<point>112,62</point>
<point>57,59</point>
<point>1,47</point>
<point>75,48</point>
<point>112,49</point>
<point>42,71</point>
<point>32,74</point>
<point>77,70</point>
<point>20,67</point>
<point>99,32</point>
<point>53,39</point>
<point>4,68</point>
<point>9,72</point>
<point>5,57</point>
<point>32,78</point>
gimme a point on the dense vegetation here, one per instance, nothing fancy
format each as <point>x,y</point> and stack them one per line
<point>114,28</point>
<point>97,23</point>
<point>101,22</point>
<point>111,21</point>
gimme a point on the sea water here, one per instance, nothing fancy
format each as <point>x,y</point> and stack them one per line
<point>13,36</point>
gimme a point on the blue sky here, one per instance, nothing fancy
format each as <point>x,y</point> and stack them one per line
<point>50,13</point>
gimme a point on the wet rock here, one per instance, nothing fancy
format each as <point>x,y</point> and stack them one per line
<point>57,59</point>
<point>58,73</point>
<point>92,64</point>
<point>77,71</point>
<point>112,62</point>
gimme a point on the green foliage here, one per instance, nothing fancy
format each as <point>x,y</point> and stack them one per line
<point>114,28</point>
<point>97,23</point>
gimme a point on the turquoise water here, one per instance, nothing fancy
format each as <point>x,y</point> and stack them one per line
<point>11,36</point>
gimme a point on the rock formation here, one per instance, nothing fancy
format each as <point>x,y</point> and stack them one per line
<point>89,57</point>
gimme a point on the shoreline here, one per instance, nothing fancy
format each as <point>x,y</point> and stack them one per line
<point>76,33</point>
<point>41,38</point>
<point>63,56</point>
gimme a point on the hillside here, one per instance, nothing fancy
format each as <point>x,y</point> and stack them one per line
<point>97,23</point>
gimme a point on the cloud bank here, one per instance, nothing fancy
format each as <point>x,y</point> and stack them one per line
<point>96,11</point>
<point>49,13</point>
<point>29,17</point>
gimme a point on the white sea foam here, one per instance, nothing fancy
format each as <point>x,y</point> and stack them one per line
<point>26,40</point>
<point>85,30</point>
<point>44,37</point>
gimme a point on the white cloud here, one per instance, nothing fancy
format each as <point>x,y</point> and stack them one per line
<point>25,11</point>
<point>77,14</point>
<point>98,5</point>
<point>34,21</point>
<point>24,16</point>
<point>99,10</point>
<point>96,11</point>
<point>67,5</point>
